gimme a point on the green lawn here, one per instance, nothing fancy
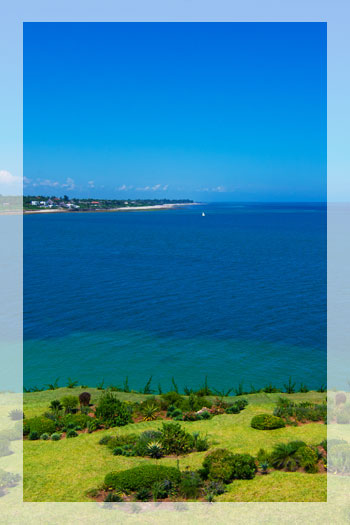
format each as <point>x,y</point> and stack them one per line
<point>64,470</point>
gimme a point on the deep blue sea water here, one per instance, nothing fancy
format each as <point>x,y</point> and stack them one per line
<point>237,295</point>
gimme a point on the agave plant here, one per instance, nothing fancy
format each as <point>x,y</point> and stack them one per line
<point>16,415</point>
<point>264,467</point>
<point>149,411</point>
<point>155,449</point>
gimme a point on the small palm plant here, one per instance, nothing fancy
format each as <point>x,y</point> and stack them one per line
<point>155,450</point>
<point>149,411</point>
<point>56,407</point>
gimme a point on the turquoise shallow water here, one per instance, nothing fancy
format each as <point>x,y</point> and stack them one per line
<point>238,295</point>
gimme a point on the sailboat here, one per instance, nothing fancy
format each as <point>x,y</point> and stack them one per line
<point>203,214</point>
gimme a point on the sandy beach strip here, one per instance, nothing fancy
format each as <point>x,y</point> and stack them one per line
<point>126,208</point>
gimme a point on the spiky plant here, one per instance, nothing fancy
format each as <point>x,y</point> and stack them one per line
<point>16,415</point>
<point>149,411</point>
<point>56,406</point>
<point>283,455</point>
<point>155,449</point>
<point>264,467</point>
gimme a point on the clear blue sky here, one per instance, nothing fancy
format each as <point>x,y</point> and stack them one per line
<point>208,111</point>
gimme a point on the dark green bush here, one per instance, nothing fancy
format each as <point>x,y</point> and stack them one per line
<point>143,494</point>
<point>93,425</point>
<point>190,485</point>
<point>45,436</point>
<point>41,425</point>
<point>69,403</point>
<point>143,476</point>
<point>104,440</point>
<point>74,420</point>
<point>307,458</point>
<point>283,455</point>
<point>190,416</point>
<point>205,415</point>
<point>175,440</point>
<point>113,412</point>
<point>217,466</point>
<point>71,434</point>
<point>112,497</point>
<point>243,466</point>
<point>33,436</point>
<point>177,412</point>
<point>267,422</point>
<point>120,441</point>
<point>56,436</point>
<point>172,399</point>
<point>233,409</point>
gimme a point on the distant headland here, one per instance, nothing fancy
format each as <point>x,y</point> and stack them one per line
<point>44,204</point>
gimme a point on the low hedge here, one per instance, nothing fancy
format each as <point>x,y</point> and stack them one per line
<point>40,425</point>
<point>267,422</point>
<point>222,465</point>
<point>141,477</point>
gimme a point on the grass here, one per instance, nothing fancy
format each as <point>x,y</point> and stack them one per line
<point>64,470</point>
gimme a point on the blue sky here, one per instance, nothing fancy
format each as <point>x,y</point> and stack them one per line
<point>208,111</point>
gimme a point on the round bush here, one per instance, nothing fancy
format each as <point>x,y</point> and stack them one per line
<point>41,425</point>
<point>33,436</point>
<point>217,465</point>
<point>243,466</point>
<point>267,422</point>
<point>45,436</point>
<point>204,415</point>
<point>233,409</point>
<point>71,434</point>
<point>306,458</point>
<point>140,477</point>
<point>56,436</point>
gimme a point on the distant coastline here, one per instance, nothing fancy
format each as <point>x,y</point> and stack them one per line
<point>125,208</point>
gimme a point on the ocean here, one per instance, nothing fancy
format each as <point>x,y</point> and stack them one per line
<point>238,296</point>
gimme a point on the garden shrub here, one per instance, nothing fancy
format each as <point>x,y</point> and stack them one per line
<point>143,476</point>
<point>171,398</point>
<point>175,440</point>
<point>267,422</point>
<point>283,455</point>
<point>71,434</point>
<point>41,425</point>
<point>307,458</point>
<point>161,489</point>
<point>112,497</point>
<point>56,436</point>
<point>143,494</point>
<point>217,465</point>
<point>33,436</point>
<point>112,411</point>
<point>74,420</point>
<point>233,409</point>
<point>119,441</point>
<point>93,424</point>
<point>45,436</point>
<point>204,415</point>
<point>4,448</point>
<point>190,416</point>
<point>262,456</point>
<point>69,403</point>
<point>104,440</point>
<point>177,412</point>
<point>243,466</point>
<point>190,485</point>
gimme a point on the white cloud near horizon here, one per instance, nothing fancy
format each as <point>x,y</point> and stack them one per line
<point>10,183</point>
<point>91,183</point>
